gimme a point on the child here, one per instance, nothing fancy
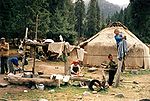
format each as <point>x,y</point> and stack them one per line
<point>112,69</point>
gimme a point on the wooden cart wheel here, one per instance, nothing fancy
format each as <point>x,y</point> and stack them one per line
<point>95,85</point>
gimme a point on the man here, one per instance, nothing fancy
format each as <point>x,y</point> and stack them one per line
<point>112,69</point>
<point>4,53</point>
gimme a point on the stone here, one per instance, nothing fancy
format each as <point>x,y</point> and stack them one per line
<point>135,72</point>
<point>3,85</point>
<point>144,100</point>
<point>33,87</point>
<point>25,91</point>
<point>120,95</point>
<point>86,93</point>
<point>3,99</point>
<point>75,83</point>
<point>135,82</point>
<point>93,69</point>
<point>42,100</point>
<point>94,92</point>
<point>79,97</point>
<point>51,91</point>
<point>40,72</point>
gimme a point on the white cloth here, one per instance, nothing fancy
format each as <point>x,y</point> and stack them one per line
<point>80,53</point>
<point>49,41</point>
<point>66,78</point>
<point>60,77</point>
<point>56,47</point>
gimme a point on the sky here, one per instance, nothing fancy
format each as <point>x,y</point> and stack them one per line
<point>119,2</point>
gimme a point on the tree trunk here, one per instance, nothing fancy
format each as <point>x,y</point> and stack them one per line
<point>20,80</point>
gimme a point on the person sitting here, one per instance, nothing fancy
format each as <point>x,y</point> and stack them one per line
<point>112,69</point>
<point>75,68</point>
<point>13,65</point>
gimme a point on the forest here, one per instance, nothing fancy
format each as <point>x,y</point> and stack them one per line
<point>74,21</point>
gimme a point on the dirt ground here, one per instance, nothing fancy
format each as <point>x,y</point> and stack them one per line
<point>131,91</point>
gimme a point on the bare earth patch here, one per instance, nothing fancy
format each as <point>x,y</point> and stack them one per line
<point>131,91</point>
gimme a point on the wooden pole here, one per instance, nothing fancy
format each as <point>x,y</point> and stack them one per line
<point>24,48</point>
<point>117,80</point>
<point>66,69</point>
<point>34,57</point>
<point>36,27</point>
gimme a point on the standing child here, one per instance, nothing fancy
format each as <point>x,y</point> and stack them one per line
<point>112,69</point>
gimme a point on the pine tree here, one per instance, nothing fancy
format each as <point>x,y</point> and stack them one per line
<point>97,17</point>
<point>62,22</point>
<point>5,16</point>
<point>93,17</point>
<point>79,17</point>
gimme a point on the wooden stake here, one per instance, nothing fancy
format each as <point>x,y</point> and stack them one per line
<point>34,57</point>
<point>36,27</point>
<point>66,69</point>
<point>117,80</point>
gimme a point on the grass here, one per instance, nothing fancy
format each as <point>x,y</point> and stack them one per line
<point>62,93</point>
<point>139,72</point>
<point>65,93</point>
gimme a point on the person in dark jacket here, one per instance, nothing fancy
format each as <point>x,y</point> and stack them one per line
<point>112,69</point>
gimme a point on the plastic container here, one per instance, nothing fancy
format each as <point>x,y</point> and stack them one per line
<point>40,86</point>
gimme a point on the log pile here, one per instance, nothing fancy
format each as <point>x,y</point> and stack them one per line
<point>14,79</point>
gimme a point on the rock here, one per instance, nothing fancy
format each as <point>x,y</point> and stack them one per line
<point>136,72</point>
<point>86,93</point>
<point>93,69</point>
<point>25,91</point>
<point>33,87</point>
<point>40,72</point>
<point>42,100</point>
<point>80,97</point>
<point>5,78</point>
<point>75,83</point>
<point>120,95</point>
<point>94,92</point>
<point>135,82</point>
<point>3,99</point>
<point>144,100</point>
<point>3,85</point>
<point>51,91</point>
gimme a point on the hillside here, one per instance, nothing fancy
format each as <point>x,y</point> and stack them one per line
<point>105,7</point>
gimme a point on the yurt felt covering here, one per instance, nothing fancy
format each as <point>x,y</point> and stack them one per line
<point>103,43</point>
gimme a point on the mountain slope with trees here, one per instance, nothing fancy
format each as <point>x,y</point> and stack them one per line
<point>107,8</point>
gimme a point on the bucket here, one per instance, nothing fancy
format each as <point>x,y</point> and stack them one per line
<point>40,86</point>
